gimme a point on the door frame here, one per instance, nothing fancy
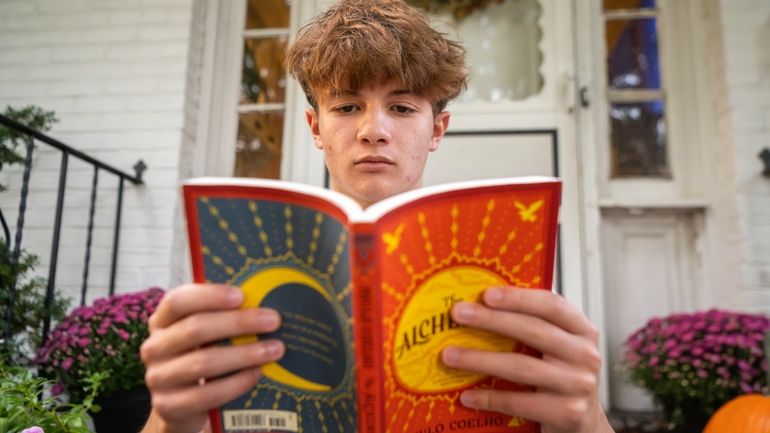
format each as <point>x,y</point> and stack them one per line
<point>218,117</point>
<point>694,86</point>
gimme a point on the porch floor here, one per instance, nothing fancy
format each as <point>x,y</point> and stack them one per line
<point>637,422</point>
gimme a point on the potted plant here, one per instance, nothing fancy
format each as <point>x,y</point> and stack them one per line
<point>747,413</point>
<point>20,339</point>
<point>104,337</point>
<point>25,406</point>
<point>694,363</point>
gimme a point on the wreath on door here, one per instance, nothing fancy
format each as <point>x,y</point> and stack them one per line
<point>459,8</point>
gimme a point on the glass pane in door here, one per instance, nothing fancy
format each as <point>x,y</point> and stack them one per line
<point>502,40</point>
<point>638,138</point>
<point>258,150</point>
<point>632,54</point>
<point>264,14</point>
<point>264,77</point>
<point>627,4</point>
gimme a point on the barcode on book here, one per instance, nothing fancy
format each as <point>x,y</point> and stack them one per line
<point>269,420</point>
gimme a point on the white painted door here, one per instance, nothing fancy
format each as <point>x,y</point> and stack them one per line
<point>648,271</point>
<point>642,180</point>
<point>517,117</point>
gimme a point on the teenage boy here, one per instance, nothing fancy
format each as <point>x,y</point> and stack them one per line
<point>377,78</point>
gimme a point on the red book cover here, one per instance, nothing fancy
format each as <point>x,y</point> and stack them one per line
<point>365,296</point>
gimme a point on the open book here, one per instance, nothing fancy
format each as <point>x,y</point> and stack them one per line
<point>365,295</point>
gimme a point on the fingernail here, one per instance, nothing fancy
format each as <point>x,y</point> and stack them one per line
<point>274,349</point>
<point>494,294</point>
<point>234,296</point>
<point>467,399</point>
<point>268,319</point>
<point>464,311</point>
<point>451,355</point>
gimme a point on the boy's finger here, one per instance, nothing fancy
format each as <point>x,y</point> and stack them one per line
<point>191,298</point>
<point>559,413</point>
<point>544,304</point>
<point>205,328</point>
<point>212,362</point>
<point>532,331</point>
<point>177,405</point>
<point>522,369</point>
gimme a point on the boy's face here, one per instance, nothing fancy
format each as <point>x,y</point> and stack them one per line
<point>375,140</point>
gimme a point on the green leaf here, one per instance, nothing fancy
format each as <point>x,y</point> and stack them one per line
<point>31,116</point>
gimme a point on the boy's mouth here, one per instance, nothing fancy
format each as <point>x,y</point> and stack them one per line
<point>374,161</point>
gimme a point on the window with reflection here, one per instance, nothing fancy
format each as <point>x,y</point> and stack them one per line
<point>502,39</point>
<point>262,99</point>
<point>638,132</point>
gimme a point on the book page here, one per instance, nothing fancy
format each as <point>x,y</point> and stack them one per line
<point>292,254</point>
<point>440,250</point>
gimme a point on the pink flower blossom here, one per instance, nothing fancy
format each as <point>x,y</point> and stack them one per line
<point>104,336</point>
<point>67,363</point>
<point>700,355</point>
<point>669,344</point>
<point>33,429</point>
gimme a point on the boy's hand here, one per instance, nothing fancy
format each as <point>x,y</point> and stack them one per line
<point>187,319</point>
<point>566,377</point>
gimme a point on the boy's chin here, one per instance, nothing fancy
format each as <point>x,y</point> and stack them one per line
<point>368,195</point>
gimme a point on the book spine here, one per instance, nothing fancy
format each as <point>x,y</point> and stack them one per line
<point>367,329</point>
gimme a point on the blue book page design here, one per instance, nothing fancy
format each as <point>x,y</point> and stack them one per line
<point>294,259</point>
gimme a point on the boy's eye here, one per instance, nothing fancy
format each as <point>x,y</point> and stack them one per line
<point>402,109</point>
<point>346,108</point>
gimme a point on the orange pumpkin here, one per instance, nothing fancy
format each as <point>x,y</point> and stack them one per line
<point>749,413</point>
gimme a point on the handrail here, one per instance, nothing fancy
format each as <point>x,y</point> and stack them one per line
<point>67,151</point>
<point>139,168</point>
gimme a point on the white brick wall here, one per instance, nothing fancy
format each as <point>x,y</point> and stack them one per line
<point>116,73</point>
<point>746,29</point>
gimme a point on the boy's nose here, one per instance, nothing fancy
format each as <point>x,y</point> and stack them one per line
<point>374,128</point>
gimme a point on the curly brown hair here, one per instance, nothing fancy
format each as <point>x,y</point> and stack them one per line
<point>367,42</point>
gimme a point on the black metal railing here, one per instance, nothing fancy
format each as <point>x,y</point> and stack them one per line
<point>30,136</point>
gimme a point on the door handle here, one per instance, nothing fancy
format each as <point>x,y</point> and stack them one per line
<point>585,102</point>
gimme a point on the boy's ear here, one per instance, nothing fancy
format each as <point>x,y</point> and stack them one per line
<point>440,125</point>
<point>312,122</point>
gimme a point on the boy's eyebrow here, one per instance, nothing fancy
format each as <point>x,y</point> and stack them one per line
<point>347,92</point>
